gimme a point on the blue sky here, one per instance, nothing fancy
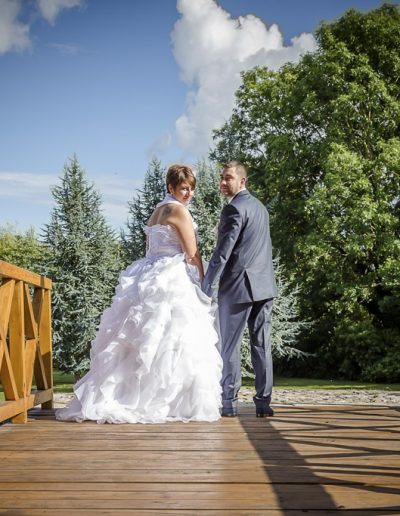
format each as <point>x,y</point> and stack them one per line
<point>117,81</point>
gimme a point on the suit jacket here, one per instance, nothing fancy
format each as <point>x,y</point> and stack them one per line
<point>242,261</point>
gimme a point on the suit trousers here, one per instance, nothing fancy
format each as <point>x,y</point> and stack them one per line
<point>233,318</point>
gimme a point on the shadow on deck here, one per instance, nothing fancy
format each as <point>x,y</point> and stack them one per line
<point>313,460</point>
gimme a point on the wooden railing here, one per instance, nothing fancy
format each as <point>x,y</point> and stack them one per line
<point>25,342</point>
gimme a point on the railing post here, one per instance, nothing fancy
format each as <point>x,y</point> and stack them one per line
<point>17,346</point>
<point>46,344</point>
<point>25,342</point>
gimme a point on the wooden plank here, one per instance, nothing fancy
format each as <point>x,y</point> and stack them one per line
<point>7,270</point>
<point>37,303</point>
<point>320,410</point>
<point>15,461</point>
<point>268,497</point>
<point>6,295</point>
<point>255,424</point>
<point>283,422</point>
<point>86,431</point>
<point>237,489</point>
<point>241,512</point>
<point>30,324</point>
<point>6,373</point>
<point>39,397</point>
<point>17,346</point>
<point>39,370</point>
<point>210,447</point>
<point>30,354</point>
<point>201,468</point>
<point>85,441</point>
<point>46,344</point>
<point>274,474</point>
<point>9,409</point>
<point>7,376</point>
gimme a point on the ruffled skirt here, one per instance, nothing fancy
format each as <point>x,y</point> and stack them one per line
<point>155,356</point>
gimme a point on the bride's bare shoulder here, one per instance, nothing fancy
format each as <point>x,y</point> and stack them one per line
<point>168,212</point>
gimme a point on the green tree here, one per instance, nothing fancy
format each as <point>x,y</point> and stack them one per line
<point>286,326</point>
<point>23,248</point>
<point>84,264</point>
<point>286,323</point>
<point>321,139</point>
<point>206,207</point>
<point>140,209</point>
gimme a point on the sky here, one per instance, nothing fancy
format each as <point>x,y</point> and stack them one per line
<point>117,82</point>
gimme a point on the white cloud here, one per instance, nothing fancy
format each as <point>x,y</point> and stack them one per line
<point>35,189</point>
<point>26,186</point>
<point>211,49</point>
<point>116,191</point>
<point>14,35</point>
<point>160,145</point>
<point>50,9</point>
<point>66,49</point>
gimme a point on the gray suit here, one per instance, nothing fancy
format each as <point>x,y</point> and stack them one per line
<point>242,267</point>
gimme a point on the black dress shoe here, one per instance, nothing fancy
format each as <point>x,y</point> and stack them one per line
<point>264,412</point>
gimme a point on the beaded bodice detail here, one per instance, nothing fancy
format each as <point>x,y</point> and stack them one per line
<point>162,240</point>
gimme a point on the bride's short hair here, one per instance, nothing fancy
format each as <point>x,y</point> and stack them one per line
<point>178,174</point>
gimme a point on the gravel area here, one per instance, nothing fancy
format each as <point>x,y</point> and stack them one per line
<point>329,397</point>
<point>305,397</point>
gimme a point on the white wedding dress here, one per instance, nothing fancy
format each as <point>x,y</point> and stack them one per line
<point>154,358</point>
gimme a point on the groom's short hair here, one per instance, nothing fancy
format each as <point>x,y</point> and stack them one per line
<point>238,166</point>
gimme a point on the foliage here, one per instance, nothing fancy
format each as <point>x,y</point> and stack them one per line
<point>286,324</point>
<point>64,383</point>
<point>206,207</point>
<point>321,139</point>
<point>140,209</point>
<point>84,264</point>
<point>22,249</point>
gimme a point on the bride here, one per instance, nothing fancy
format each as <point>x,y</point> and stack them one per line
<point>154,358</point>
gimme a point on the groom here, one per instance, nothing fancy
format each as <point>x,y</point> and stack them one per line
<point>242,267</point>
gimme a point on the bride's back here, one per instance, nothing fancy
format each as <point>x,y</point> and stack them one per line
<point>162,240</point>
<point>161,215</point>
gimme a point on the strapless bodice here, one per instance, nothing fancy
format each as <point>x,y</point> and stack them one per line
<point>163,240</point>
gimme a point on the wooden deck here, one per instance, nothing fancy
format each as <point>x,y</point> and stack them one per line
<point>305,460</point>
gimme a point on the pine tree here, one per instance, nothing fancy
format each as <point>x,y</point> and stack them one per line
<point>22,248</point>
<point>286,324</point>
<point>140,209</point>
<point>206,207</point>
<point>84,264</point>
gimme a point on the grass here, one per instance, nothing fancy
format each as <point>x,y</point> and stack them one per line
<point>315,383</point>
<point>64,383</point>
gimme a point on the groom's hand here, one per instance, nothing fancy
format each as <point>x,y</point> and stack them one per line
<point>209,290</point>
<point>206,287</point>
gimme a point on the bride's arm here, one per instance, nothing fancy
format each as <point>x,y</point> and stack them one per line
<point>182,221</point>
<point>199,264</point>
